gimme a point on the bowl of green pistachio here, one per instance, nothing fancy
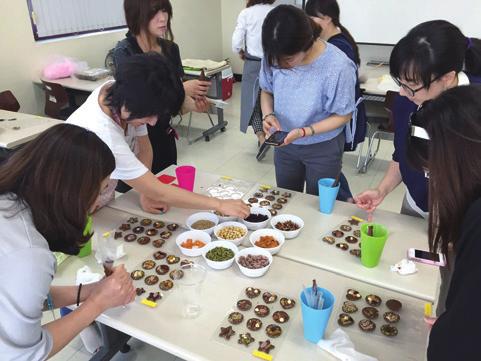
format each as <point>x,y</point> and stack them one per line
<point>219,254</point>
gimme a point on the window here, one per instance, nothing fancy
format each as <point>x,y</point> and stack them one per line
<point>61,18</point>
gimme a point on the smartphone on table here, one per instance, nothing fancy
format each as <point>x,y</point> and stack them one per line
<point>277,138</point>
<point>435,259</point>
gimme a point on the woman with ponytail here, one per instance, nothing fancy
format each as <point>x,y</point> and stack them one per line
<point>326,14</point>
<point>433,57</point>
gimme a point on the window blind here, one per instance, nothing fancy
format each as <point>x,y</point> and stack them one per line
<point>61,18</point>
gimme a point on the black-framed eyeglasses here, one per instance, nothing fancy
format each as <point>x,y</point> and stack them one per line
<point>410,91</point>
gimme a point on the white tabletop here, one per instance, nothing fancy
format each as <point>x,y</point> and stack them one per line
<point>78,84</point>
<point>196,339</point>
<point>29,125</point>
<point>308,248</point>
<point>376,80</point>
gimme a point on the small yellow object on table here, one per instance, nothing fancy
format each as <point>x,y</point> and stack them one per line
<point>148,303</point>
<point>262,355</point>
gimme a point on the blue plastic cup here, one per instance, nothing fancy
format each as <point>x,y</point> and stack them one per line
<point>327,194</point>
<point>315,321</point>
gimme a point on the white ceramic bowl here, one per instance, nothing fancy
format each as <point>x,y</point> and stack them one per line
<point>258,225</point>
<point>219,264</point>
<point>225,218</point>
<point>288,217</point>
<point>258,272</point>
<point>236,241</point>
<point>194,236</point>
<point>275,233</point>
<point>208,216</point>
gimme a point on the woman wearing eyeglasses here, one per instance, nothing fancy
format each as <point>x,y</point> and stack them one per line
<point>429,60</point>
<point>426,62</point>
<point>452,156</point>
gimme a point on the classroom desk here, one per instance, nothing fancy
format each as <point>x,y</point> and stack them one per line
<point>308,248</point>
<point>376,81</point>
<point>74,83</point>
<point>197,340</point>
<point>30,127</point>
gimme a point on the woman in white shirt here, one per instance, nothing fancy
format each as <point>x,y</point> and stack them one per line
<point>47,190</point>
<point>247,42</point>
<point>146,87</point>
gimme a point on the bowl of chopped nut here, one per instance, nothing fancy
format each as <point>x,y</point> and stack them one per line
<point>231,231</point>
<point>288,224</point>
<point>253,261</point>
<point>202,221</point>
<point>269,239</point>
<point>219,254</point>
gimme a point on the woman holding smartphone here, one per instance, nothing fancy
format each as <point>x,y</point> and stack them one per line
<point>447,144</point>
<point>47,190</point>
<point>307,91</point>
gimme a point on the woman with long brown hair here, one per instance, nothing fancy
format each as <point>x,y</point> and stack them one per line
<point>47,190</point>
<point>447,145</point>
<point>149,23</point>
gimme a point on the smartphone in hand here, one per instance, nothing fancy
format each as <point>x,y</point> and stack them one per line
<point>277,138</point>
<point>434,259</point>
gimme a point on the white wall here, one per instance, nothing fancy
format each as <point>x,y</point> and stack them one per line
<point>196,26</point>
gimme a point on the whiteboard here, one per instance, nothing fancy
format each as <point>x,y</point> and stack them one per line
<point>387,21</point>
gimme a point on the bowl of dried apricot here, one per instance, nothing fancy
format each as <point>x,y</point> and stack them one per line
<point>269,239</point>
<point>191,243</point>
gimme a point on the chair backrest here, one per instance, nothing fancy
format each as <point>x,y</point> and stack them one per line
<point>389,107</point>
<point>56,98</point>
<point>8,101</point>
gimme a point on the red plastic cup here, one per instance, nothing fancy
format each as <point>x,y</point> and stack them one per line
<point>185,177</point>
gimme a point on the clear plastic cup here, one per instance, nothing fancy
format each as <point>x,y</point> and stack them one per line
<point>190,287</point>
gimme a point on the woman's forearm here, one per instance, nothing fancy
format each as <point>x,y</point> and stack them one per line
<point>391,179</point>
<point>267,103</point>
<point>330,123</point>
<point>67,295</point>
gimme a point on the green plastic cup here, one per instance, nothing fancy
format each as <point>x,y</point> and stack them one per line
<point>372,246</point>
<point>86,250</point>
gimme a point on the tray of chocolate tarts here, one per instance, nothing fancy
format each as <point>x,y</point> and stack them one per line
<point>258,321</point>
<point>386,315</point>
<point>345,237</point>
<point>155,277</point>
<point>275,200</point>
<point>145,231</point>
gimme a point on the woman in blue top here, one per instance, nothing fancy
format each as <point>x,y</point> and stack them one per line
<point>326,14</point>
<point>308,91</point>
<point>428,61</point>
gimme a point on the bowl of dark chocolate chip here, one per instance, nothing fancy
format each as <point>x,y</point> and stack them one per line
<point>288,224</point>
<point>202,221</point>
<point>257,219</point>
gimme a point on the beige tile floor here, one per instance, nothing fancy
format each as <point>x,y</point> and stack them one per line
<point>233,153</point>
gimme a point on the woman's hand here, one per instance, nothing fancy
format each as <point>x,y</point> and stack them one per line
<point>152,206</point>
<point>196,88</point>
<point>369,200</point>
<point>201,104</point>
<point>293,135</point>
<point>242,55</point>
<point>115,290</point>
<point>270,122</point>
<point>233,207</point>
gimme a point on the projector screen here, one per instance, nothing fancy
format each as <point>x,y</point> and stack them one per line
<point>387,21</point>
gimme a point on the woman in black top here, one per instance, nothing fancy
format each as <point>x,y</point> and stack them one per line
<point>448,146</point>
<point>150,30</point>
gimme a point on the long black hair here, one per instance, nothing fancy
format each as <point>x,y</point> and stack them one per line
<point>452,156</point>
<point>58,177</point>
<point>330,8</point>
<point>287,30</point>
<point>432,49</point>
